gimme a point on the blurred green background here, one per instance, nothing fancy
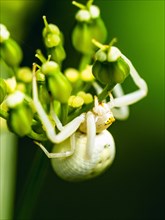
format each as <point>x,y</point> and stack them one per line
<point>133,188</point>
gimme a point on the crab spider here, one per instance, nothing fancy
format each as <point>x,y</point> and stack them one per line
<point>83,147</point>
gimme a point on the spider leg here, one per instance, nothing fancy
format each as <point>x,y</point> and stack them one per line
<point>56,119</point>
<point>122,112</point>
<point>60,154</point>
<point>91,133</point>
<point>67,130</point>
<point>133,97</point>
<point>119,113</point>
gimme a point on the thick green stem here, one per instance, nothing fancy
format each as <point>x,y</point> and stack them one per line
<point>8,152</point>
<point>85,60</point>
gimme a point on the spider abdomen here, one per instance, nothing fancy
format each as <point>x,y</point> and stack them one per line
<point>78,166</point>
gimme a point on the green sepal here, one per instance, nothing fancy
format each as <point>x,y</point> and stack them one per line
<point>3,90</point>
<point>11,52</point>
<point>20,119</point>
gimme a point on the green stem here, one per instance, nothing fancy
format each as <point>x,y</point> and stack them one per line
<point>8,152</point>
<point>108,88</point>
<point>85,60</point>
<point>64,113</point>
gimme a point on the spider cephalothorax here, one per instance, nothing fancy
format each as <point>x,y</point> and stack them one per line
<point>103,117</point>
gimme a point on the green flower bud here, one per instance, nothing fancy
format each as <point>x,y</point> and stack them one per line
<point>89,26</point>
<point>51,34</point>
<point>3,90</point>
<point>20,114</point>
<point>109,67</point>
<point>50,67</point>
<point>110,72</point>
<point>49,28</point>
<point>11,52</point>
<point>24,74</point>
<point>53,39</point>
<point>57,83</point>
<point>59,87</point>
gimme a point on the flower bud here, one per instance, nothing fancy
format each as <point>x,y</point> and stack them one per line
<point>11,52</point>
<point>75,101</point>
<point>51,34</point>
<point>24,74</point>
<point>57,83</point>
<point>20,114</point>
<point>50,67</point>
<point>59,87</point>
<point>87,97</point>
<point>3,90</point>
<point>109,67</point>
<point>53,39</point>
<point>110,72</point>
<point>72,75</point>
<point>89,25</point>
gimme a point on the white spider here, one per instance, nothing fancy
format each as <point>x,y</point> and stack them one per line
<point>84,148</point>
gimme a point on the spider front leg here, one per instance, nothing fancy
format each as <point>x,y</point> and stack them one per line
<point>67,130</point>
<point>91,133</point>
<point>122,112</point>
<point>133,97</point>
<point>119,113</point>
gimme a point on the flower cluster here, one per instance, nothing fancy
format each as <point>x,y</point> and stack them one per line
<point>68,91</point>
